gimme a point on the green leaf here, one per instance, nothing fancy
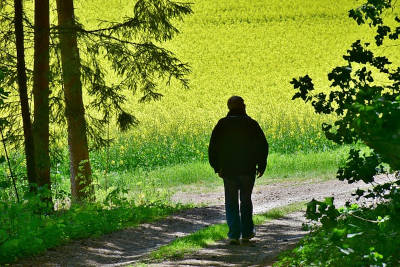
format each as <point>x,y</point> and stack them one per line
<point>329,201</point>
<point>3,236</point>
<point>5,184</point>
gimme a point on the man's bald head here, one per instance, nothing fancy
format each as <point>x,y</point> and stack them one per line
<point>236,103</point>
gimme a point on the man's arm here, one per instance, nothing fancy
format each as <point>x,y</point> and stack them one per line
<point>262,151</point>
<point>212,148</point>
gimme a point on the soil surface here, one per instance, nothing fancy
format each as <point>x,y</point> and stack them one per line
<point>131,246</point>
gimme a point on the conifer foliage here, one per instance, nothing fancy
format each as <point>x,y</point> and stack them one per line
<point>134,55</point>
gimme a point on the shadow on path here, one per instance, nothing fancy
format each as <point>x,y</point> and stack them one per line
<point>127,246</point>
<point>272,237</point>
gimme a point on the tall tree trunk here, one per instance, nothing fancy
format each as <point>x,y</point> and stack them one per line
<point>81,179</point>
<point>41,93</point>
<point>23,93</point>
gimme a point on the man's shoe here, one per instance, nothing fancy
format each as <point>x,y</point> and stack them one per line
<point>233,241</point>
<point>247,238</point>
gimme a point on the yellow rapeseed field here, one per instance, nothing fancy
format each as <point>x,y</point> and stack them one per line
<point>247,48</point>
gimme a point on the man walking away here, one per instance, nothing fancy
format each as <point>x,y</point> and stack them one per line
<point>238,152</point>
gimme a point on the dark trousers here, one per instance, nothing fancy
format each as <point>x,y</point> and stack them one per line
<point>239,223</point>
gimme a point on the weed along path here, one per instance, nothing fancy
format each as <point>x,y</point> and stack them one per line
<point>133,245</point>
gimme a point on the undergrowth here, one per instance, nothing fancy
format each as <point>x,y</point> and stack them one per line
<point>362,237</point>
<point>24,232</point>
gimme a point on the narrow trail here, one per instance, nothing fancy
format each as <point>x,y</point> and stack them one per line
<point>132,245</point>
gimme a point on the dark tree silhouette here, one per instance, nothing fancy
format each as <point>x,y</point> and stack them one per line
<point>41,92</point>
<point>23,93</point>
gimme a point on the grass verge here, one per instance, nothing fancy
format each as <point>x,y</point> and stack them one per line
<point>281,167</point>
<point>145,184</point>
<point>209,235</point>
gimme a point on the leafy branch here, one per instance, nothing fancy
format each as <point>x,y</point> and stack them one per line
<point>367,111</point>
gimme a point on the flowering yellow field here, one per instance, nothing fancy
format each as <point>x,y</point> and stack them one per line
<point>248,48</point>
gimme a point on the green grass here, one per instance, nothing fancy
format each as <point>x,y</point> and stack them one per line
<point>209,235</point>
<point>281,167</point>
<point>151,184</point>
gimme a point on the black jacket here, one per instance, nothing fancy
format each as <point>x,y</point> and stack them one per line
<point>238,146</point>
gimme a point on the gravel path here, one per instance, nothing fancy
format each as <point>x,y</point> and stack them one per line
<point>132,245</point>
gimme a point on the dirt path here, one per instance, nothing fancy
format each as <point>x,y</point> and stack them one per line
<point>272,237</point>
<point>132,245</point>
